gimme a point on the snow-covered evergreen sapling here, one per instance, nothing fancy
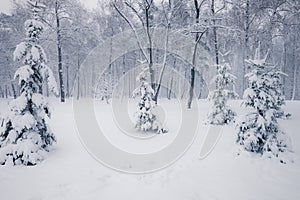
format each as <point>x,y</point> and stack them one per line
<point>146,120</point>
<point>105,87</point>
<point>24,135</point>
<point>260,132</point>
<point>220,112</point>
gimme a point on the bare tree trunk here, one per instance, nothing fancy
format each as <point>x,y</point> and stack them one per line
<point>59,54</point>
<point>294,82</point>
<point>192,86</point>
<point>170,88</point>
<point>197,39</point>
<point>295,69</point>
<point>215,32</point>
<point>6,92</point>
<point>78,75</point>
<point>13,90</point>
<point>1,92</point>
<point>284,66</point>
<point>164,65</point>
<point>129,84</point>
<point>191,92</point>
<point>86,83</point>
<point>246,41</point>
<point>124,80</point>
<point>147,10</point>
<point>183,90</point>
<point>68,87</point>
<point>201,87</point>
<point>172,80</point>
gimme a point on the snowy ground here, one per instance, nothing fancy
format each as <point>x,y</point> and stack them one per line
<point>69,172</point>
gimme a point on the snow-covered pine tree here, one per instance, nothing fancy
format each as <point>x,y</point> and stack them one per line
<point>24,135</point>
<point>220,112</point>
<point>260,132</point>
<point>146,120</point>
<point>105,87</point>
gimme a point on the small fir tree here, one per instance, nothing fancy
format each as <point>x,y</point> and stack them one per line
<point>146,120</point>
<point>221,113</point>
<point>24,135</point>
<point>260,132</point>
<point>105,87</point>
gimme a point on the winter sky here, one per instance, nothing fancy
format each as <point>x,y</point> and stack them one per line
<point>5,5</point>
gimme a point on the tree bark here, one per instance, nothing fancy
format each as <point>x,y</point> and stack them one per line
<point>215,32</point>
<point>6,92</point>
<point>150,48</point>
<point>182,86</point>
<point>201,87</point>
<point>59,54</point>
<point>124,80</point>
<point>246,41</point>
<point>197,40</point>
<point>295,69</point>
<point>14,90</point>
<point>284,66</point>
<point>170,89</point>
<point>191,91</point>
<point>164,65</point>
<point>1,92</point>
<point>78,75</point>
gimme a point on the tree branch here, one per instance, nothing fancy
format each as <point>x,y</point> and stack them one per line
<point>133,28</point>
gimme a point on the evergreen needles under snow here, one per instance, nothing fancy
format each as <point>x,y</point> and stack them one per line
<point>221,113</point>
<point>105,87</point>
<point>24,135</point>
<point>145,119</point>
<point>260,132</point>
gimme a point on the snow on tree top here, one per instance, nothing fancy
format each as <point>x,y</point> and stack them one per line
<point>257,62</point>
<point>34,28</point>
<point>143,76</point>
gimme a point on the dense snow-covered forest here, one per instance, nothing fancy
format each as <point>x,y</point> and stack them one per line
<point>231,29</point>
